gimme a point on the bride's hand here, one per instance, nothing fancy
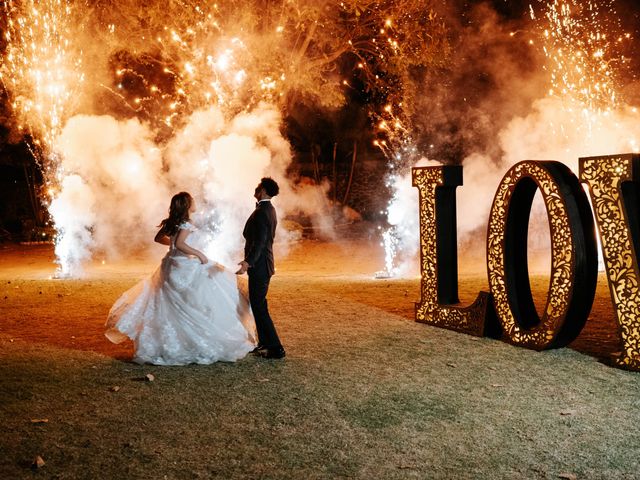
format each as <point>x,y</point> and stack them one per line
<point>244,266</point>
<point>203,258</point>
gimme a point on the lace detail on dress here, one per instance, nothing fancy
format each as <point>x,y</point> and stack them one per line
<point>187,226</point>
<point>183,226</point>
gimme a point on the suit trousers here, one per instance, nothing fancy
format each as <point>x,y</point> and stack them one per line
<point>258,288</point>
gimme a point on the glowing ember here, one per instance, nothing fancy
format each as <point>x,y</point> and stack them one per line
<point>580,113</point>
<point>583,43</point>
<point>126,104</point>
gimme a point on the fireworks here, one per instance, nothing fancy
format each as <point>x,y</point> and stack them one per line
<point>172,58</point>
<point>236,56</point>
<point>583,43</point>
<point>164,63</point>
<point>578,42</point>
<point>43,72</point>
<point>581,114</point>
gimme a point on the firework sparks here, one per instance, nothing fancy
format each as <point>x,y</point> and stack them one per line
<point>172,60</point>
<point>583,43</point>
<point>42,71</point>
<point>582,112</point>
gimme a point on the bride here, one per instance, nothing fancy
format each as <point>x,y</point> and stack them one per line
<point>188,310</point>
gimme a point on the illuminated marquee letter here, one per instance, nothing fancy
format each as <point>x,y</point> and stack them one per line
<point>574,267</point>
<point>614,188</point>
<point>438,257</point>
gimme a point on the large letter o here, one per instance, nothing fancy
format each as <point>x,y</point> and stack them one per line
<point>574,261</point>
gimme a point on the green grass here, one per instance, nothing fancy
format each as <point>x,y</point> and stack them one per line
<point>363,393</point>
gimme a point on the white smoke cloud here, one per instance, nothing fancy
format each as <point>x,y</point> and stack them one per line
<point>111,191</point>
<point>553,130</point>
<point>74,242</point>
<point>221,162</point>
<point>118,183</point>
<point>496,111</point>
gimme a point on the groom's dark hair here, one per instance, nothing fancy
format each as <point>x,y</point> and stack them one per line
<point>270,186</point>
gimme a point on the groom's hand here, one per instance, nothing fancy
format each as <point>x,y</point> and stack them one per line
<point>244,266</point>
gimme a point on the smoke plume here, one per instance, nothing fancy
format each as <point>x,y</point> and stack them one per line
<point>118,182</point>
<point>491,109</point>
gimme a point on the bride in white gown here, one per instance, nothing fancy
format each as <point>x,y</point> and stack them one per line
<point>188,310</point>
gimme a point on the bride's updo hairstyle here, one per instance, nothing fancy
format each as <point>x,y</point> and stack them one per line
<point>178,213</point>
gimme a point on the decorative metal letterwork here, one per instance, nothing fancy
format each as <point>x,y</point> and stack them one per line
<point>438,257</point>
<point>614,186</point>
<point>573,255</point>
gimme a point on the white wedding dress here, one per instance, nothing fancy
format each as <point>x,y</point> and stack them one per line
<point>185,312</point>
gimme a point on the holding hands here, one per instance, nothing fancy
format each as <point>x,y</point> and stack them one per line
<point>244,266</point>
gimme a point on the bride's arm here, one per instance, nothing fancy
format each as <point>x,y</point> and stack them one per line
<point>184,248</point>
<point>162,237</point>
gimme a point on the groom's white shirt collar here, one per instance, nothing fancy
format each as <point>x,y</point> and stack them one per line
<point>264,200</point>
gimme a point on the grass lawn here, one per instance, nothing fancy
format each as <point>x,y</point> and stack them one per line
<point>363,392</point>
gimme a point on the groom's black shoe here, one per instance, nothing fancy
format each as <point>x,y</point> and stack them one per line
<point>273,353</point>
<point>258,349</point>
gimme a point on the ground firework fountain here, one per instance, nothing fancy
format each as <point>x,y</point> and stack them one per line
<point>578,111</point>
<point>43,71</point>
<point>129,104</point>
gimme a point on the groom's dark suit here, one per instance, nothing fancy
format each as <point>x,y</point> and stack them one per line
<point>259,232</point>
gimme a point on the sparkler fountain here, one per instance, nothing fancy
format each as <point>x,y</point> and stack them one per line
<point>43,71</point>
<point>580,114</point>
<point>585,47</point>
<point>125,105</point>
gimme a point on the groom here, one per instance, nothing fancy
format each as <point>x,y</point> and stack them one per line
<point>258,263</point>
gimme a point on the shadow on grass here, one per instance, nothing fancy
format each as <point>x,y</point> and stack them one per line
<point>599,338</point>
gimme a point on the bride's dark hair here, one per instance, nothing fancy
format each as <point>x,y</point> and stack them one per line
<point>178,213</point>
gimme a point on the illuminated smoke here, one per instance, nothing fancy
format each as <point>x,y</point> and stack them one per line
<point>221,162</point>
<point>112,192</point>
<point>121,182</point>
<point>195,126</point>
<point>75,238</point>
<point>578,112</point>
<point>127,105</point>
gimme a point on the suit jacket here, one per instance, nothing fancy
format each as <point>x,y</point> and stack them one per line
<point>259,232</point>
